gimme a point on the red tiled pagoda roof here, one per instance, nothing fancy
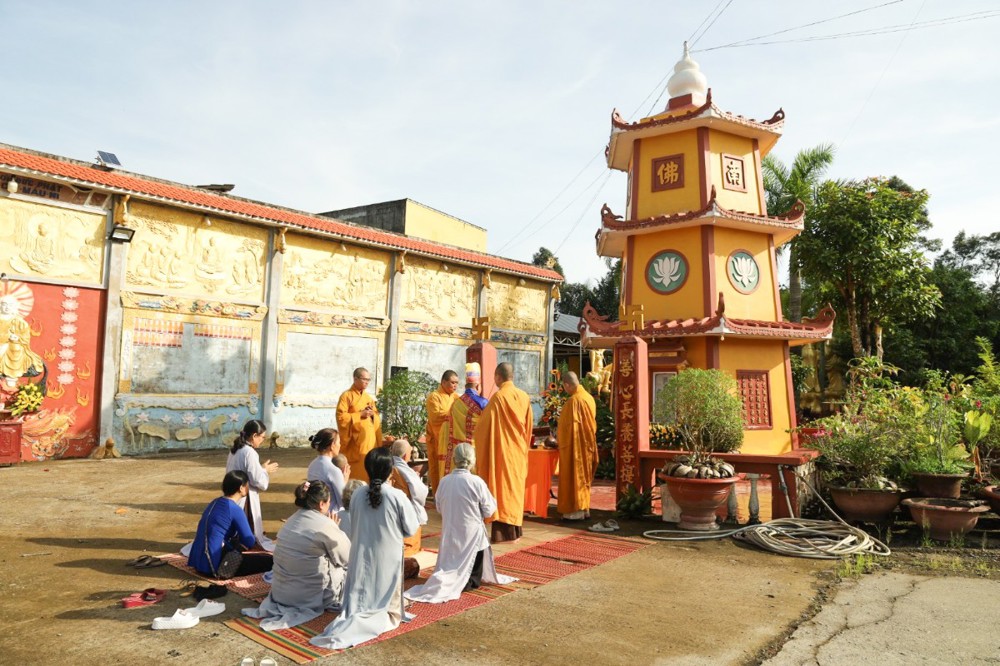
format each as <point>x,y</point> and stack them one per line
<point>818,328</point>
<point>772,124</point>
<point>157,190</point>
<point>793,220</point>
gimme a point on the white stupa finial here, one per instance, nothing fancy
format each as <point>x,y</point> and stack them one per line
<point>687,79</point>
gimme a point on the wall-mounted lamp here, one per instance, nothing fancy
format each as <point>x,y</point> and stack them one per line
<point>121,233</point>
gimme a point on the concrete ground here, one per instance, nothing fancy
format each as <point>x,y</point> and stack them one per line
<point>68,527</point>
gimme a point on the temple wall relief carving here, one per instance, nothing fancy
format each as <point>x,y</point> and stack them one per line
<point>51,242</point>
<point>326,275</point>
<point>431,293</point>
<point>518,304</point>
<point>177,252</point>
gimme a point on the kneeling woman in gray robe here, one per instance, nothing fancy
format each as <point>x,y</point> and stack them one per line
<point>310,563</point>
<point>373,601</point>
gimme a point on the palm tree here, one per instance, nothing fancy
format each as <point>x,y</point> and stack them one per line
<point>782,187</point>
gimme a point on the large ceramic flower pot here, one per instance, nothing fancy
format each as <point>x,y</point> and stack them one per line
<point>940,485</point>
<point>992,495</point>
<point>865,505</point>
<point>945,519</point>
<point>699,499</point>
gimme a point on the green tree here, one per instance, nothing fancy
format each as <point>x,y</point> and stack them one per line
<point>783,186</point>
<point>604,295</point>
<point>864,240</point>
<point>545,259</point>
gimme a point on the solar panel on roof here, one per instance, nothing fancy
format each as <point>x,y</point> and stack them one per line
<point>108,159</point>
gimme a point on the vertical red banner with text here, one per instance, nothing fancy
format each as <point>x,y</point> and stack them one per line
<point>631,403</point>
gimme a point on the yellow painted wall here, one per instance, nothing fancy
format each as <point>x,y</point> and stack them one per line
<point>688,301</point>
<point>722,142</point>
<point>433,225</point>
<point>736,354</point>
<point>667,202</point>
<point>760,303</point>
<point>322,274</point>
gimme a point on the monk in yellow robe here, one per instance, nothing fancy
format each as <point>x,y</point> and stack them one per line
<point>438,405</point>
<point>461,423</point>
<point>359,424</point>
<point>502,438</point>
<point>577,437</point>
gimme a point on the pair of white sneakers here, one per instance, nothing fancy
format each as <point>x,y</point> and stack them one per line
<point>266,661</point>
<point>185,618</point>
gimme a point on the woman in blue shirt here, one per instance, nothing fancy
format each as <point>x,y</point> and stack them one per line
<point>224,526</point>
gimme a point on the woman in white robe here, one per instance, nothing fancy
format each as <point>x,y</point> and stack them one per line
<point>310,563</point>
<point>243,457</point>
<point>465,558</point>
<point>373,601</point>
<point>322,468</point>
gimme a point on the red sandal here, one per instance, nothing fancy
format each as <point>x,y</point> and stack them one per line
<point>147,597</point>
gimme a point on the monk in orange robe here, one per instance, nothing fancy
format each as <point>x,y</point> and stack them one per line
<point>438,406</point>
<point>359,424</point>
<point>502,438</point>
<point>577,437</point>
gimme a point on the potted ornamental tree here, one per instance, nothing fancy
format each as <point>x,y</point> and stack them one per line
<point>703,408</point>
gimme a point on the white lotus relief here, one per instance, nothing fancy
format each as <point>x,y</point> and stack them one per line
<point>744,271</point>
<point>667,270</point>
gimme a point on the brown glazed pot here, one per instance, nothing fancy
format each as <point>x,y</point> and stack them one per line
<point>940,485</point>
<point>945,519</point>
<point>865,505</point>
<point>699,499</point>
<point>992,495</point>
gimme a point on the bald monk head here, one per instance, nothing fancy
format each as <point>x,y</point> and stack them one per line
<point>570,381</point>
<point>361,379</point>
<point>449,382</point>
<point>401,448</point>
<point>504,373</point>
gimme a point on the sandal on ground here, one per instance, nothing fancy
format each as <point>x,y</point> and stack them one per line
<point>150,563</point>
<point>147,597</point>
<point>142,559</point>
<point>179,620</point>
<point>609,525</point>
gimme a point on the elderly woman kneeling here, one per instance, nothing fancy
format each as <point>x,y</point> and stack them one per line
<point>310,563</point>
<point>466,558</point>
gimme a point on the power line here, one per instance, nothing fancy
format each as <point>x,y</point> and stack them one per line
<point>586,209</point>
<point>892,58</point>
<point>799,27</point>
<point>696,39</point>
<point>704,20</point>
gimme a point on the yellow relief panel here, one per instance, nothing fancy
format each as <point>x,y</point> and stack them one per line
<point>733,172</point>
<point>176,252</point>
<point>678,190</point>
<point>518,304</point>
<point>50,241</point>
<point>742,265</point>
<point>676,254</point>
<point>431,293</point>
<point>736,354</point>
<point>318,273</point>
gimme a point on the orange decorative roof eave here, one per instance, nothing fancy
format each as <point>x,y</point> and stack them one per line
<point>614,231</point>
<point>597,332</point>
<point>624,134</point>
<point>81,174</point>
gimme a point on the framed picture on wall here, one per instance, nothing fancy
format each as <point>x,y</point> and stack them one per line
<point>660,380</point>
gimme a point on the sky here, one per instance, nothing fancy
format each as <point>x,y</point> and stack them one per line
<point>496,112</point>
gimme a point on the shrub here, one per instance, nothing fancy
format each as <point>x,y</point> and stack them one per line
<point>402,404</point>
<point>703,407</point>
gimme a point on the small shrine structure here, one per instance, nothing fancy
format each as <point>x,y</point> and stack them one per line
<point>699,277</point>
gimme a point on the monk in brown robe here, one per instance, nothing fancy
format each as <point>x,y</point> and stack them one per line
<point>359,423</point>
<point>577,437</point>
<point>502,438</point>
<point>438,405</point>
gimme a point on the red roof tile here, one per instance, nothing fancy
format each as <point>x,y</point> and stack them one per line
<point>170,192</point>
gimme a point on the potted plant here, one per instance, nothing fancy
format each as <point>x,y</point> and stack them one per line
<point>401,402</point>
<point>938,462</point>
<point>702,407</point>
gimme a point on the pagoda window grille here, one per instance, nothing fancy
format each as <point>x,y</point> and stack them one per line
<point>755,391</point>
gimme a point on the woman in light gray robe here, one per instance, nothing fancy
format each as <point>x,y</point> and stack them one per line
<point>373,601</point>
<point>310,563</point>
<point>243,457</point>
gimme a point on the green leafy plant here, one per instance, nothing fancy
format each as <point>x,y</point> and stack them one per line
<point>703,409</point>
<point>401,402</point>
<point>662,437</point>
<point>605,469</point>
<point>937,448</point>
<point>635,504</point>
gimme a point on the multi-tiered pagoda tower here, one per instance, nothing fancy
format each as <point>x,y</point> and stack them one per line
<point>700,283</point>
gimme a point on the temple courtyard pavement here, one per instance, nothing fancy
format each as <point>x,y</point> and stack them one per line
<point>67,529</point>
